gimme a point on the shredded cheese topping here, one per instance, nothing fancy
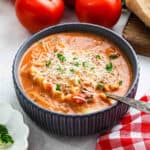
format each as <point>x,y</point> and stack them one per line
<point>71,66</point>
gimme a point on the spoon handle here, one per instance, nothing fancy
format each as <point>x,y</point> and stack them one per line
<point>137,104</point>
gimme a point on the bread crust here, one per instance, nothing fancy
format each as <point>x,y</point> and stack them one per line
<point>141,8</point>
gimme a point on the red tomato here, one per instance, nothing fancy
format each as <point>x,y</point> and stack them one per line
<point>70,3</point>
<point>102,12</point>
<point>13,1</point>
<point>38,14</point>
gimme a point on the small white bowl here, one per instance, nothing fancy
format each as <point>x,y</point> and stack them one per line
<point>13,120</point>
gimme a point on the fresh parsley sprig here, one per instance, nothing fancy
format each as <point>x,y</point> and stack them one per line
<point>5,139</point>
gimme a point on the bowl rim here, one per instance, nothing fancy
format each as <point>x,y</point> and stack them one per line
<point>16,64</point>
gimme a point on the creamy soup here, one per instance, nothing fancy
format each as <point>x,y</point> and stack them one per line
<point>70,72</point>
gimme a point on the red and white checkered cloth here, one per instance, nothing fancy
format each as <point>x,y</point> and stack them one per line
<point>132,133</point>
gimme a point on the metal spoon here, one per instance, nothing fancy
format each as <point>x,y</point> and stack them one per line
<point>137,104</point>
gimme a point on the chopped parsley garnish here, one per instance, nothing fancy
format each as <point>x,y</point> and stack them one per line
<point>113,56</point>
<point>48,63</point>
<point>120,82</point>
<point>75,58</point>
<point>98,57</point>
<point>99,85</point>
<point>72,70</point>
<point>59,68</point>
<point>109,67</point>
<point>85,64</point>
<point>5,139</point>
<point>79,81</point>
<point>61,57</point>
<point>92,68</point>
<point>77,64</point>
<point>58,87</point>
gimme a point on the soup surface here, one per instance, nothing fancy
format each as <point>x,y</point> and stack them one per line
<point>69,72</point>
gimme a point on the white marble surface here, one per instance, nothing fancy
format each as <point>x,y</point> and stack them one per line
<point>12,35</point>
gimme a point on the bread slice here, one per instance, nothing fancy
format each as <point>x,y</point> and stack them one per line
<point>141,8</point>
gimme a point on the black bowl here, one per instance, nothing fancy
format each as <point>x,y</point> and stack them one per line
<point>76,125</point>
